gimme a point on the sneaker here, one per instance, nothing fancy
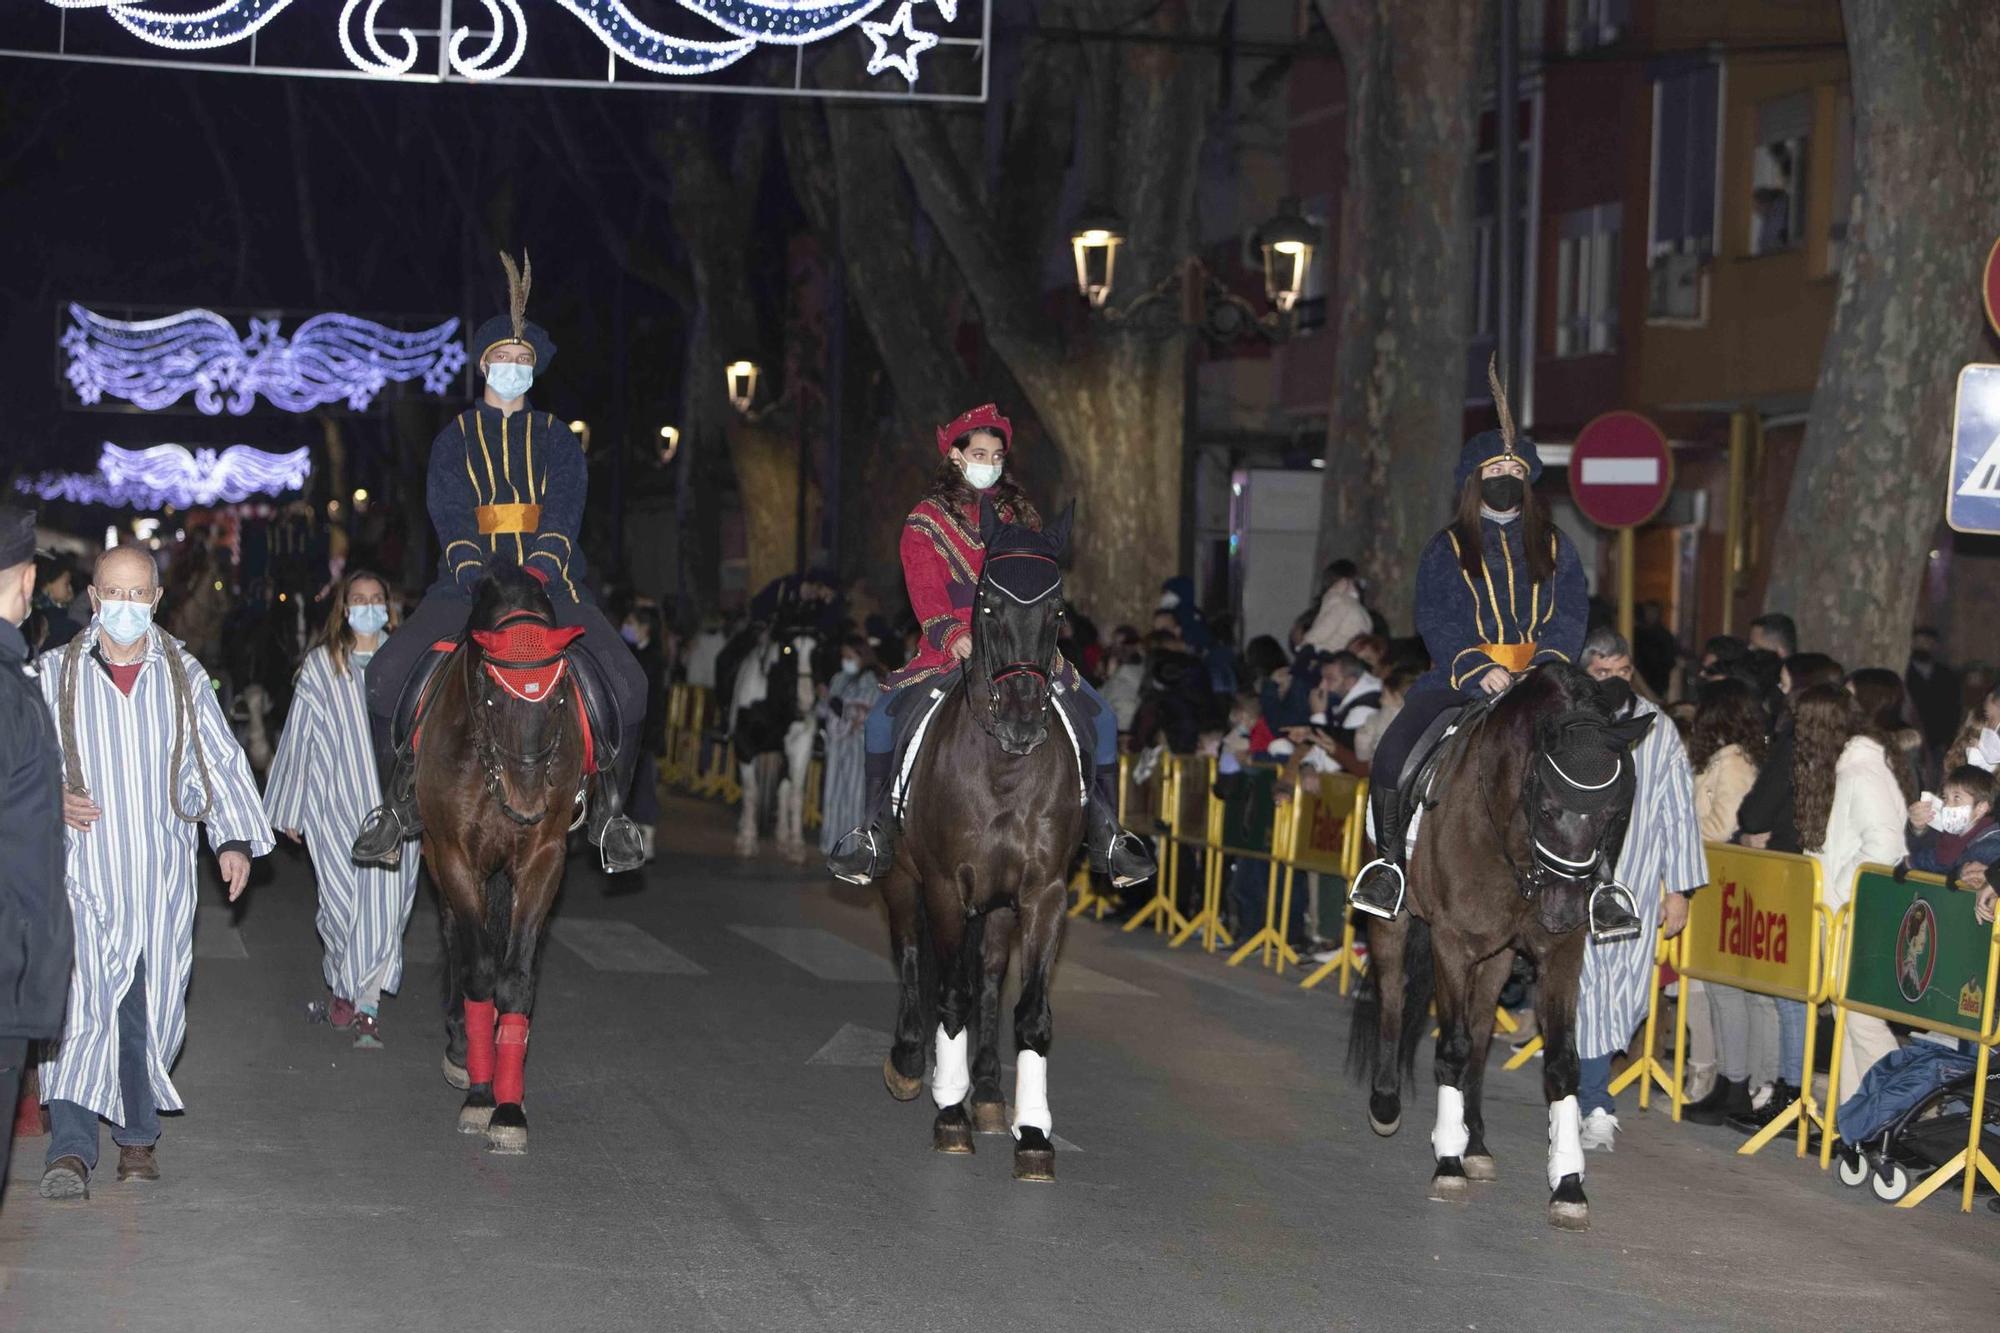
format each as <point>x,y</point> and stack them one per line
<point>1600,1131</point>
<point>365,1032</point>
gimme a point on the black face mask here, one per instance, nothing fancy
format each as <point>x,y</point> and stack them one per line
<point>1502,493</point>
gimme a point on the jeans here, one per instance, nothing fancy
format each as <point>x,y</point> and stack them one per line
<point>73,1128</point>
<point>881,728</point>
<point>1593,1085</point>
<point>1792,1020</point>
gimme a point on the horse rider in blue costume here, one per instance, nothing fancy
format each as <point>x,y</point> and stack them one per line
<point>507,485</point>
<point>1499,591</point>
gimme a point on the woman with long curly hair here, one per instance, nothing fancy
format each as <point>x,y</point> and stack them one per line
<point>323,783</point>
<point>943,553</point>
<point>1851,810</point>
<point>1885,703</point>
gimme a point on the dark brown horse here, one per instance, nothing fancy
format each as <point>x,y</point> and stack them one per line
<point>1530,822</point>
<point>499,776</point>
<point>992,820</point>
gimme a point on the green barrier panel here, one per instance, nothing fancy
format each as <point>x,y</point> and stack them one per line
<point>1919,954</point>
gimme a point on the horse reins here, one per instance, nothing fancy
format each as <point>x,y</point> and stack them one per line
<point>1035,669</point>
<point>492,754</point>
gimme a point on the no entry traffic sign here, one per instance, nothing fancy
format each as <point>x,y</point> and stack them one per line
<point>1620,470</point>
<point>1972,502</point>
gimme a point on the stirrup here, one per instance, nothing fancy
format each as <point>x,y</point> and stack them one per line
<point>381,837</point>
<point>842,863</point>
<point>1137,858</point>
<point>620,847</point>
<point>1615,899</point>
<point>1361,904</point>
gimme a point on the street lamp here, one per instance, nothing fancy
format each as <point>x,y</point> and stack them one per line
<point>670,443</point>
<point>1095,244</point>
<point>742,378</point>
<point>1288,241</point>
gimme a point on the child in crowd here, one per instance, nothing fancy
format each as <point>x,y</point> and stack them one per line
<point>1957,837</point>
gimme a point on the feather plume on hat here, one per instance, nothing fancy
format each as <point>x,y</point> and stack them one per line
<point>520,281</point>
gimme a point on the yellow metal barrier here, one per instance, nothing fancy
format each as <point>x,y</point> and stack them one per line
<point>1761,925</point>
<point>1326,832</point>
<point>1911,952</point>
<point>1162,912</point>
<point>1088,899</point>
<point>1196,806</point>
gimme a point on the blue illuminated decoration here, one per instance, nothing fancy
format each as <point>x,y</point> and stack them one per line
<point>745,25</point>
<point>173,474</point>
<point>154,363</point>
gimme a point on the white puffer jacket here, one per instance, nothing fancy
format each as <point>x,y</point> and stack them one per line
<point>1341,619</point>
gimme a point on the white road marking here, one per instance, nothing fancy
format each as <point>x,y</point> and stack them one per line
<point>620,946</point>
<point>820,952</point>
<point>853,1047</point>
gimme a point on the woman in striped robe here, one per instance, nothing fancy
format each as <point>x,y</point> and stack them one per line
<point>844,713</point>
<point>147,757</point>
<point>323,783</point>
<point>1663,860</point>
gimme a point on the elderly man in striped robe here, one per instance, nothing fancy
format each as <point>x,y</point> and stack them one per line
<point>147,756</point>
<point>1662,863</point>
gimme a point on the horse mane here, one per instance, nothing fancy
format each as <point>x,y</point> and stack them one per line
<point>507,588</point>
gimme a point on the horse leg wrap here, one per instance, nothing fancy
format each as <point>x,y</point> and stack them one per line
<point>1565,1141</point>
<point>951,1075</point>
<point>1031,1093</point>
<point>479,1041</point>
<point>512,1059</point>
<point>1450,1136</point>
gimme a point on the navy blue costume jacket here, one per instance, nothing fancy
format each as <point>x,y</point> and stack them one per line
<point>1460,616</point>
<point>508,488</point>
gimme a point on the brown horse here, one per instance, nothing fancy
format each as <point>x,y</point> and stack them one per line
<point>499,776</point>
<point>1530,822</point>
<point>988,840</point>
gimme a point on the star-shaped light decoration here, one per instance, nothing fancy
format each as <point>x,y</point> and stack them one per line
<point>913,40</point>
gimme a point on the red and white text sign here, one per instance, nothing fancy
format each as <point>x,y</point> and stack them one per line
<point>1620,470</point>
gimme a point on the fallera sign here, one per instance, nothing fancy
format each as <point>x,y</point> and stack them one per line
<point>1755,925</point>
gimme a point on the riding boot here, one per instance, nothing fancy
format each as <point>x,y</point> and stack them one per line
<point>1612,914</point>
<point>1378,889</point>
<point>394,822</point>
<point>865,852</point>
<point>1124,856</point>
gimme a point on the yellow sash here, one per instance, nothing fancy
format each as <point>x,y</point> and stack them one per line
<point>1514,656</point>
<point>508,518</point>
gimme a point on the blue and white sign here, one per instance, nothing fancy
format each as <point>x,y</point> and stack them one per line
<point>1972,504</point>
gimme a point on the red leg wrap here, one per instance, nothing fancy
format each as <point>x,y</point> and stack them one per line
<point>479,1041</point>
<point>513,1058</point>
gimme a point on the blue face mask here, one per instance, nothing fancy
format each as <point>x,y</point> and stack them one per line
<point>125,622</point>
<point>509,379</point>
<point>367,619</point>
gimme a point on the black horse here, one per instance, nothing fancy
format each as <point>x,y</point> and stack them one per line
<point>992,817</point>
<point>1531,819</point>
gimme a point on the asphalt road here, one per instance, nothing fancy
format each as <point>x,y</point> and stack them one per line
<point>712,1148</point>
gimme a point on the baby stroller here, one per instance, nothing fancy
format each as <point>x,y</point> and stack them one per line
<point>1911,1115</point>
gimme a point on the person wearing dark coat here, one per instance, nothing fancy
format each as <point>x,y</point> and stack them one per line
<point>35,930</point>
<point>507,485</point>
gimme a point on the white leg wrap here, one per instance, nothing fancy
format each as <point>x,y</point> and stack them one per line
<point>951,1075</point>
<point>1449,1136</point>
<point>1565,1143</point>
<point>1031,1093</point>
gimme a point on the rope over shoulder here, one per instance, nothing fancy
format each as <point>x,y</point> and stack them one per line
<point>187,730</point>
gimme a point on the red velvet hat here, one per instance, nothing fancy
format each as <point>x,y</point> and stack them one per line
<point>984,417</point>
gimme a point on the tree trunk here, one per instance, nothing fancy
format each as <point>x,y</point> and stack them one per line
<point>1861,515</point>
<point>1397,417</point>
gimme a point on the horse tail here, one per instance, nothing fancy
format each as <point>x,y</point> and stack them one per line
<point>1365,1047</point>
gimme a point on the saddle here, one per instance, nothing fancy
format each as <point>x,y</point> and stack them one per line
<point>528,659</point>
<point>1423,781</point>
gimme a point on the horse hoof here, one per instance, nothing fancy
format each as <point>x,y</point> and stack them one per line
<point>1450,1185</point>
<point>476,1113</point>
<point>1034,1156</point>
<point>1481,1168</point>
<point>953,1132</point>
<point>902,1089</point>
<point>507,1132</point>
<point>1568,1209</point>
<point>989,1118</point>
<point>455,1074</point>
<point>1384,1127</point>
<point>1385,1113</point>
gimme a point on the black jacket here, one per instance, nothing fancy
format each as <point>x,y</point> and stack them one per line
<point>1768,805</point>
<point>35,940</point>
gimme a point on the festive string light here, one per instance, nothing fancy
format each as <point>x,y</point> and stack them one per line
<point>170,475</point>
<point>330,358</point>
<point>749,23</point>
<point>914,43</point>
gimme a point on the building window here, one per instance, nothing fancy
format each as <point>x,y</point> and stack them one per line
<point>1681,234</point>
<point>1778,174</point>
<point>1587,280</point>
<point>1594,23</point>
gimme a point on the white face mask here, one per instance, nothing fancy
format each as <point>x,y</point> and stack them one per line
<point>982,476</point>
<point>1954,819</point>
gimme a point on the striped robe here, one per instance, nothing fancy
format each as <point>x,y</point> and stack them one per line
<point>131,877</point>
<point>844,794</point>
<point>324,782</point>
<point>1663,854</point>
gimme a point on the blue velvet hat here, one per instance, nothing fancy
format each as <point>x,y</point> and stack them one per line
<point>515,326</point>
<point>1488,445</point>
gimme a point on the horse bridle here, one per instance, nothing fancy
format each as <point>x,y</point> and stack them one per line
<point>1546,868</point>
<point>493,756</point>
<point>1037,670</point>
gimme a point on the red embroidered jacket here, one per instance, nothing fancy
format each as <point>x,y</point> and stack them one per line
<point>942,556</point>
